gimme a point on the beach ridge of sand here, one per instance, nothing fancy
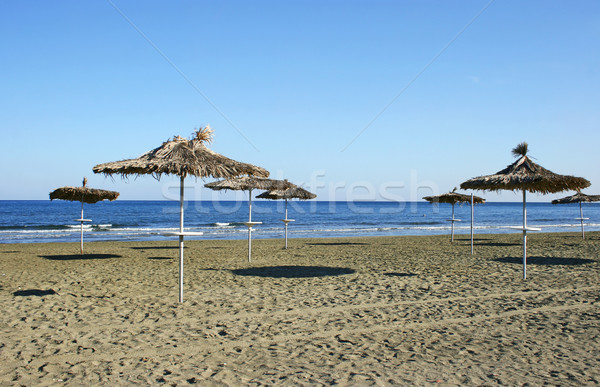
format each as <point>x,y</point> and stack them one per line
<point>355,311</point>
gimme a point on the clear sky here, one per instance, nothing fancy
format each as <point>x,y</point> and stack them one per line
<point>386,100</point>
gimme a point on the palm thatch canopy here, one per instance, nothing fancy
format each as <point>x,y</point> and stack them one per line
<point>526,175</point>
<point>182,157</point>
<point>294,192</point>
<point>577,198</point>
<point>247,183</point>
<point>453,198</point>
<point>83,194</point>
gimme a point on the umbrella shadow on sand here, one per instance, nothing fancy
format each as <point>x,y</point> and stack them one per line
<point>338,244</point>
<point>156,248</point>
<point>400,274</point>
<point>34,292</point>
<point>72,257</point>
<point>504,244</point>
<point>486,242</point>
<point>293,271</point>
<point>547,261</point>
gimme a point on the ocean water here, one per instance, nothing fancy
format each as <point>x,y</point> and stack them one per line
<point>54,221</point>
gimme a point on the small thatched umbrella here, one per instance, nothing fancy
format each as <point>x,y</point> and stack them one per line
<point>83,194</point>
<point>182,157</point>
<point>248,183</point>
<point>578,198</point>
<point>294,192</point>
<point>525,175</point>
<point>453,198</point>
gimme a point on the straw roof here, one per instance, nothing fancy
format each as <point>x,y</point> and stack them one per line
<point>524,174</point>
<point>182,157</point>
<point>246,183</point>
<point>453,198</point>
<point>294,192</point>
<point>577,198</point>
<point>83,194</point>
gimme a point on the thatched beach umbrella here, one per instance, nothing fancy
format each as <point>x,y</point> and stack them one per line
<point>453,198</point>
<point>525,175</point>
<point>248,183</point>
<point>83,194</point>
<point>578,198</point>
<point>182,157</point>
<point>293,192</point>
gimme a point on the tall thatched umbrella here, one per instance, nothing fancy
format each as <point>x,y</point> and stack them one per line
<point>525,175</point>
<point>83,194</point>
<point>248,183</point>
<point>578,198</point>
<point>294,192</point>
<point>453,198</point>
<point>182,157</point>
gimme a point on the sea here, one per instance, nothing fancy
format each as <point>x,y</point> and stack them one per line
<point>31,221</point>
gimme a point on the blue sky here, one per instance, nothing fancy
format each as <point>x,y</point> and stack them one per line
<point>365,100</point>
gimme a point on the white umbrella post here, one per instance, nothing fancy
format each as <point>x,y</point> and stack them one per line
<point>472,219</point>
<point>581,218</point>
<point>525,228</point>
<point>286,221</point>
<point>250,224</point>
<point>82,220</point>
<point>453,220</point>
<point>181,190</point>
<point>180,234</point>
<point>524,234</point>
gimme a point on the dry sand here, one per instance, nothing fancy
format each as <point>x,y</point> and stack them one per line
<point>352,311</point>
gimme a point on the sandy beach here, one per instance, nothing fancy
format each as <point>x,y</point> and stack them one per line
<point>352,311</point>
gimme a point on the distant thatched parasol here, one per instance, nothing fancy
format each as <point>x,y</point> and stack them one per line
<point>293,192</point>
<point>290,193</point>
<point>578,198</point>
<point>453,198</point>
<point>248,183</point>
<point>83,194</point>
<point>182,157</point>
<point>525,175</point>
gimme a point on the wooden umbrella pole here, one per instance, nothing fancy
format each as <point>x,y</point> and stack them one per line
<point>524,234</point>
<point>181,189</point>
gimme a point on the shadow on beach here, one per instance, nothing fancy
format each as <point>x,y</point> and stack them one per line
<point>498,244</point>
<point>337,244</point>
<point>34,292</point>
<point>73,257</point>
<point>400,274</point>
<point>485,242</point>
<point>293,271</point>
<point>545,260</point>
<point>158,248</point>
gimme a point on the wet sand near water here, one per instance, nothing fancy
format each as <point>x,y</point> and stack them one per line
<point>350,311</point>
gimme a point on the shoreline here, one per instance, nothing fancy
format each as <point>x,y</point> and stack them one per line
<point>460,231</point>
<point>353,311</point>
